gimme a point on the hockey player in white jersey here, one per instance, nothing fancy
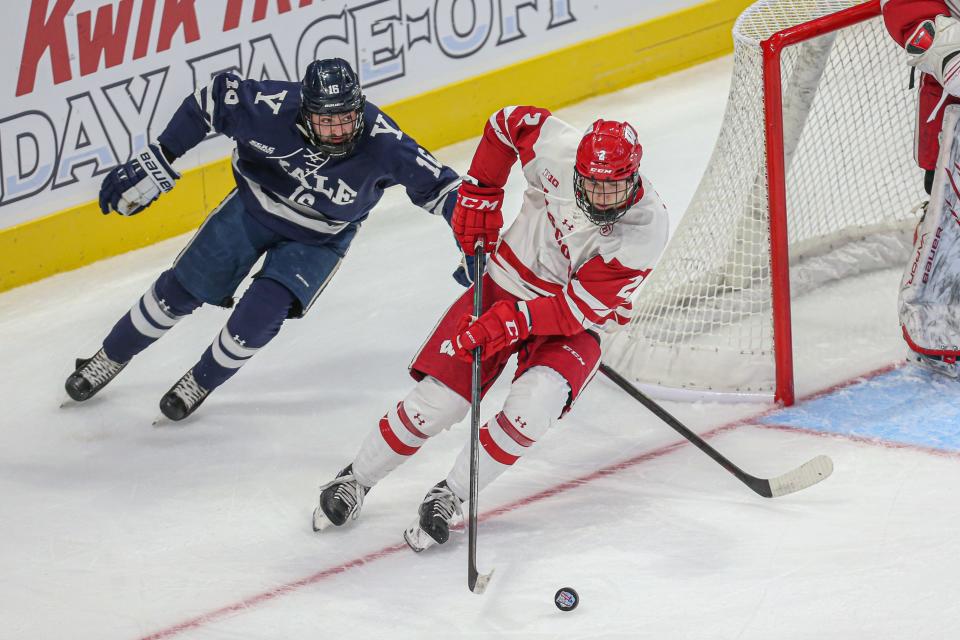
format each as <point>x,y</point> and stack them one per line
<point>589,231</point>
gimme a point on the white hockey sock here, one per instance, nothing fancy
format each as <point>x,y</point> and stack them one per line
<point>427,410</point>
<point>536,399</point>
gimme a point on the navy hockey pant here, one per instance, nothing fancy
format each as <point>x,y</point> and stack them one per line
<point>210,268</point>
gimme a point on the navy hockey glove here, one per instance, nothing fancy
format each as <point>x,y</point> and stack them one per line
<point>132,187</point>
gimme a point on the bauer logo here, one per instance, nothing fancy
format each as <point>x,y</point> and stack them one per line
<point>262,147</point>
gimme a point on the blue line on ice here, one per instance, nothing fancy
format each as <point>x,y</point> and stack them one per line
<point>908,405</point>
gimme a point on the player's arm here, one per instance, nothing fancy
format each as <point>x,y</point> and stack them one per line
<point>931,38</point>
<point>509,134</point>
<point>902,17</point>
<point>133,186</point>
<point>430,184</point>
<point>598,293</point>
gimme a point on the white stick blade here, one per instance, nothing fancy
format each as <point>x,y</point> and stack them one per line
<point>482,580</point>
<point>806,475</point>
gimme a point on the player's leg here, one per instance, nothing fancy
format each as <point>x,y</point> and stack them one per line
<point>293,276</point>
<point>202,273</point>
<point>430,408</point>
<point>439,400</point>
<point>550,376</point>
<point>927,302</point>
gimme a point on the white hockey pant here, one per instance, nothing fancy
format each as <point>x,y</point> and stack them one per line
<point>427,410</point>
<point>536,399</point>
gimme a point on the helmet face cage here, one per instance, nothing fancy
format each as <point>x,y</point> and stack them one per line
<point>331,87</point>
<point>609,154</point>
<point>625,193</point>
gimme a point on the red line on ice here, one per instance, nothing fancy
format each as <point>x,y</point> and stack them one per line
<point>266,596</point>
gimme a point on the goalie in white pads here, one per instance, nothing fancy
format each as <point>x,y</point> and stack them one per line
<point>930,288</point>
<point>929,31</point>
<point>588,233</point>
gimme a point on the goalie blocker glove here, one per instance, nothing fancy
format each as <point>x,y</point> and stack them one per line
<point>133,186</point>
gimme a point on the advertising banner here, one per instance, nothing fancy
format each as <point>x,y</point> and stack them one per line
<point>87,82</point>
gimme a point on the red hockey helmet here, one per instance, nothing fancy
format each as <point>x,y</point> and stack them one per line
<point>607,171</point>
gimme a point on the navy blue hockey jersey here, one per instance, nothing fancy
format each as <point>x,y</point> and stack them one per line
<point>286,183</point>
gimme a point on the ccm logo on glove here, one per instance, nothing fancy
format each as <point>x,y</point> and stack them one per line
<point>479,204</point>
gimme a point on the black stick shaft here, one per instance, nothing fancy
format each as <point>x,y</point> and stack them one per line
<point>759,485</point>
<point>472,572</point>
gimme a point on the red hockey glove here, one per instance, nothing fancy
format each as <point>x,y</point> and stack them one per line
<point>497,328</point>
<point>477,215</point>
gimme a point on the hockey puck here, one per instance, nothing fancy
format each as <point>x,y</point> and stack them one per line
<point>566,599</point>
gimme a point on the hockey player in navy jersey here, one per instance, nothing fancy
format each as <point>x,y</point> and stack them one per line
<point>312,159</point>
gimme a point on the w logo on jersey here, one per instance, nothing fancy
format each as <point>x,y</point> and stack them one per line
<point>446,347</point>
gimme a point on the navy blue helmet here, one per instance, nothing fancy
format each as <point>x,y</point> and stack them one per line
<point>331,106</point>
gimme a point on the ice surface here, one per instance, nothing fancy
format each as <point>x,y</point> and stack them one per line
<point>112,529</point>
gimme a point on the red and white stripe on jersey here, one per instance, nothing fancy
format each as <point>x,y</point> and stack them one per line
<point>902,17</point>
<point>597,293</point>
<point>503,440</point>
<point>508,260</point>
<point>510,133</point>
<point>401,432</point>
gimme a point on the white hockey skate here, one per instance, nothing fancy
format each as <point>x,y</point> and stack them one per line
<point>340,500</point>
<point>944,365</point>
<point>434,518</point>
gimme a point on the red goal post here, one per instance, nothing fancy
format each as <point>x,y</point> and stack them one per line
<point>812,179</point>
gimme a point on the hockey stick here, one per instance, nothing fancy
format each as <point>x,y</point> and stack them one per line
<point>806,475</point>
<point>475,581</point>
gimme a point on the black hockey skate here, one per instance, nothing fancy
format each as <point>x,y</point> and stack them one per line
<point>183,397</point>
<point>91,375</point>
<point>340,500</point>
<point>436,512</point>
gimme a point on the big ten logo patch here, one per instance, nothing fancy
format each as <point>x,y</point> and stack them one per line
<point>550,179</point>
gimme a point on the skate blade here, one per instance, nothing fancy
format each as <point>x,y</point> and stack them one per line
<point>320,520</point>
<point>162,421</point>
<point>418,539</point>
<point>936,366</point>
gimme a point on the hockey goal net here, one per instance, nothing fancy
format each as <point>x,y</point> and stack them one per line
<point>812,179</point>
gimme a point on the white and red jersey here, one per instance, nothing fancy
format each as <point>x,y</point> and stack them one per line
<point>573,274</point>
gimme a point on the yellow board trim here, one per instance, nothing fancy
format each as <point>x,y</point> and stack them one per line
<point>80,235</point>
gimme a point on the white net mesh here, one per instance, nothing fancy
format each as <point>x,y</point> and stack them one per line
<point>703,320</point>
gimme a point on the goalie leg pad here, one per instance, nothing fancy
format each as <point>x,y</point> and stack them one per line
<point>536,399</point>
<point>930,287</point>
<point>431,407</point>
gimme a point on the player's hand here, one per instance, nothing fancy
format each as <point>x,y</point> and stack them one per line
<point>477,215</point>
<point>133,186</point>
<point>501,326</point>
<point>933,48</point>
<point>464,271</point>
